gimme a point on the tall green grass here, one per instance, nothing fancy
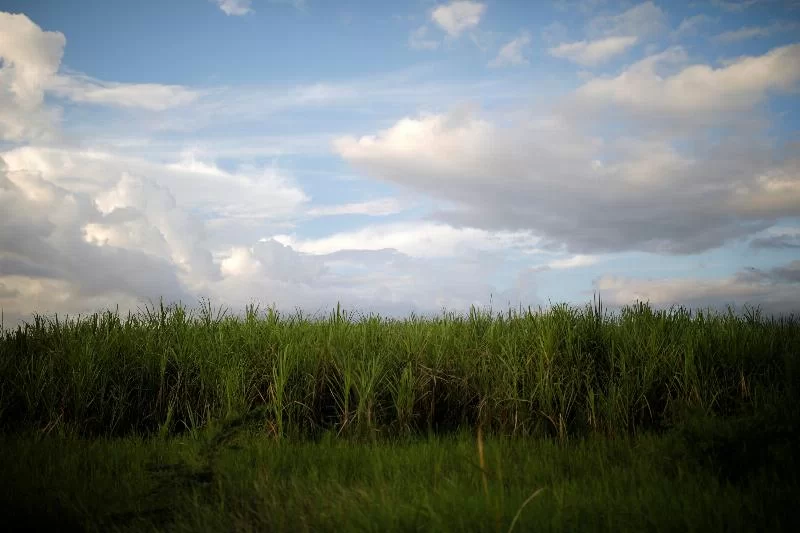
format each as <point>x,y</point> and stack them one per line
<point>564,373</point>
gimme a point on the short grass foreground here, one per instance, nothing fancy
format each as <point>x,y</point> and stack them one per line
<point>567,420</point>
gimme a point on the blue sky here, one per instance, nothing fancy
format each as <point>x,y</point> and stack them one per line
<point>399,156</point>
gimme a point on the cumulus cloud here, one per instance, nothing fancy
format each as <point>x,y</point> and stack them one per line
<point>589,53</point>
<point>47,240</point>
<point>126,240</point>
<point>458,16</point>
<point>161,228</point>
<point>30,62</point>
<point>590,194</point>
<point>512,53</point>
<point>234,7</point>
<point>258,193</point>
<point>384,281</point>
<point>110,237</point>
<point>696,90</point>
<point>273,260</point>
<point>29,59</point>
<point>369,278</point>
<point>84,226</point>
<point>774,192</point>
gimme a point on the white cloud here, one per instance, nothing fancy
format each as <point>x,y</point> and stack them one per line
<point>458,16</point>
<point>575,261</point>
<point>512,53</point>
<point>442,143</point>
<point>55,238</point>
<point>380,207</point>
<point>240,262</point>
<point>416,239</point>
<point>734,6</point>
<point>297,4</point>
<point>29,59</point>
<point>163,229</point>
<point>584,6</point>
<point>753,32</point>
<point>270,259</point>
<point>777,237</point>
<point>697,89</point>
<point>589,53</point>
<point>773,192</point>
<point>216,146</point>
<point>111,239</point>
<point>612,35</point>
<point>644,20</point>
<point>132,214</point>
<point>374,95</point>
<point>235,7</point>
<point>150,96</point>
<point>690,25</point>
<point>84,226</point>
<point>592,195</point>
<point>420,40</point>
<point>29,70</point>
<point>249,193</point>
<point>384,281</point>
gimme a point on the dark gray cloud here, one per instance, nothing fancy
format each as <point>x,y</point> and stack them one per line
<point>789,273</point>
<point>776,242</point>
<point>5,292</point>
<point>775,291</point>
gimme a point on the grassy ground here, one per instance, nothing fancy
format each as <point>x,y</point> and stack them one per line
<point>244,482</point>
<point>169,420</point>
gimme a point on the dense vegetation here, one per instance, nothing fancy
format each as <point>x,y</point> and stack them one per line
<point>647,420</point>
<point>563,372</point>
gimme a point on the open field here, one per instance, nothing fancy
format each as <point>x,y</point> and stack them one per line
<point>203,421</point>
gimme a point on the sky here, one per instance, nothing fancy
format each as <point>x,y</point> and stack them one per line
<point>398,157</point>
